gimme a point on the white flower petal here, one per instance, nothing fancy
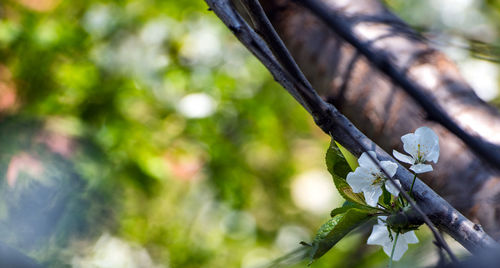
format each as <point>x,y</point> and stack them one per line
<point>391,188</point>
<point>421,168</point>
<point>427,136</point>
<point>403,158</point>
<point>390,167</point>
<point>359,180</point>
<point>433,155</point>
<point>410,144</point>
<point>379,235</point>
<point>372,194</point>
<point>429,143</point>
<point>410,237</point>
<point>366,162</point>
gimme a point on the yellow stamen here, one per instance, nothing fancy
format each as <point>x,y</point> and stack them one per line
<point>379,179</point>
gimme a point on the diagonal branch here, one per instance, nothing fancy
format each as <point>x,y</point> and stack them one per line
<point>267,31</point>
<point>488,151</point>
<point>440,213</point>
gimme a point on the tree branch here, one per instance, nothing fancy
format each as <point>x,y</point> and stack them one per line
<point>439,211</point>
<point>268,33</point>
<point>487,151</point>
<point>382,111</point>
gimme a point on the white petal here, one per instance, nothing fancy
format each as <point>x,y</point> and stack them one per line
<point>429,143</point>
<point>402,157</point>
<point>391,188</point>
<point>401,248</point>
<point>390,167</point>
<point>410,142</point>
<point>379,235</point>
<point>427,136</point>
<point>389,243</point>
<point>410,237</point>
<point>433,155</point>
<point>366,162</point>
<point>421,168</point>
<point>359,180</point>
<point>372,194</point>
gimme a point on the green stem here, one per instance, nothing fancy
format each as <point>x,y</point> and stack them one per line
<point>393,248</point>
<point>413,183</point>
<point>402,201</point>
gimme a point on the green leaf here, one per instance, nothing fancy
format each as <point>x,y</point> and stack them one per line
<point>350,158</point>
<point>386,197</point>
<point>335,229</point>
<point>339,168</point>
<point>350,205</point>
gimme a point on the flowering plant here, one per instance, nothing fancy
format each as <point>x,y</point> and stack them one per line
<point>371,192</point>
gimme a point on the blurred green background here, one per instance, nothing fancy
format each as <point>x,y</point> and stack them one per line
<point>142,134</point>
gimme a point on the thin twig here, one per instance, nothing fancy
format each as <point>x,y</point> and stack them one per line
<point>337,22</point>
<point>265,29</point>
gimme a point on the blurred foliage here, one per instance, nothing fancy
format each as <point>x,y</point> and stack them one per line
<point>142,134</point>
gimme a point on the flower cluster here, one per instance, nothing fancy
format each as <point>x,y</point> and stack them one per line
<point>422,147</point>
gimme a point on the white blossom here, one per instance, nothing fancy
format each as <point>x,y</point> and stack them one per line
<point>369,179</point>
<point>423,146</point>
<point>383,236</point>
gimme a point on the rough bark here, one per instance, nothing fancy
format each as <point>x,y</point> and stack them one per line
<point>384,112</point>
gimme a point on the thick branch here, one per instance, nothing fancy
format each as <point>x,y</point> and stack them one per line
<point>339,23</point>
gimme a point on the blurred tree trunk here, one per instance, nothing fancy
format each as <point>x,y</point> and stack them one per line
<point>383,111</point>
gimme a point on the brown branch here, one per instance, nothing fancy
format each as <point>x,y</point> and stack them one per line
<point>439,211</point>
<point>384,112</point>
<point>267,31</point>
<point>339,23</point>
<point>264,28</point>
